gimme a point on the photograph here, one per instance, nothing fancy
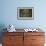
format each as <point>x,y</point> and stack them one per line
<point>25,13</point>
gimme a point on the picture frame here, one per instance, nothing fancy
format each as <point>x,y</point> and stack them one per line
<point>25,13</point>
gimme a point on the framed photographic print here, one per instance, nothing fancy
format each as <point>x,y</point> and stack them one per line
<point>25,13</point>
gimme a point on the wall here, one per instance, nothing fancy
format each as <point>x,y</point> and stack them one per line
<point>8,13</point>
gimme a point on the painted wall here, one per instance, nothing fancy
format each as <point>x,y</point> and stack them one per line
<point>8,13</point>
